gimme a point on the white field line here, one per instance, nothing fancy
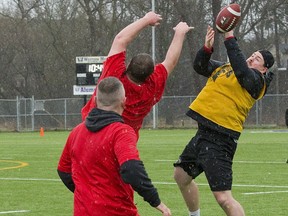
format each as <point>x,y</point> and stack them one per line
<point>30,179</point>
<point>159,183</point>
<point>234,185</point>
<point>261,162</point>
<point>269,131</point>
<point>248,162</point>
<point>264,192</point>
<point>240,185</point>
<point>16,211</point>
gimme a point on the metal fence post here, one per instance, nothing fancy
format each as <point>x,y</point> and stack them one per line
<point>32,110</point>
<point>257,113</point>
<point>65,113</point>
<point>18,113</point>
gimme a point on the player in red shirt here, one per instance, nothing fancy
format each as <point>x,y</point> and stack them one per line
<point>144,83</point>
<point>100,162</point>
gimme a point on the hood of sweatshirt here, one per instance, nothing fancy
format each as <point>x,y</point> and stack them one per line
<point>98,119</point>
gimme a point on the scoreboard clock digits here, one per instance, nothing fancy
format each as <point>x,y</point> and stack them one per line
<point>89,69</point>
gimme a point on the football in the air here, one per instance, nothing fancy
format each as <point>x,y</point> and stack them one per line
<point>228,18</point>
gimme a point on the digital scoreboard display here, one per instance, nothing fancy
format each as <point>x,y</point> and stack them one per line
<point>88,69</point>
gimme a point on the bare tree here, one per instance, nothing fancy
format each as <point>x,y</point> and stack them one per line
<point>40,39</point>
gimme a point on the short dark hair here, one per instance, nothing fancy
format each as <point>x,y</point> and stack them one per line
<point>109,91</point>
<point>140,67</point>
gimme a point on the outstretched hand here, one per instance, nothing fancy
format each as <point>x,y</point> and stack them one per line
<point>182,27</point>
<point>174,51</point>
<point>164,209</point>
<point>209,39</point>
<point>153,18</point>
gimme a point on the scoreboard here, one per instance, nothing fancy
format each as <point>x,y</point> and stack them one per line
<point>88,71</point>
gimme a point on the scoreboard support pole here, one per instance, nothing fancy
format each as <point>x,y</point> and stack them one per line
<point>85,100</point>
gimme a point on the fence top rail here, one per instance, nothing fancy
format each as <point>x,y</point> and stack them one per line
<point>12,100</point>
<point>189,96</point>
<point>273,95</point>
<point>165,96</point>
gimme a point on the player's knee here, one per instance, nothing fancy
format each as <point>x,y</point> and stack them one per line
<point>224,199</point>
<point>181,177</point>
<point>177,175</point>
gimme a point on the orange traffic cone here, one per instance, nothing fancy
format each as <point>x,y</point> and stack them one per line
<point>41,131</point>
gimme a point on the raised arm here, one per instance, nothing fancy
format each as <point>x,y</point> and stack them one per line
<point>175,47</point>
<point>203,65</point>
<point>127,35</point>
<point>249,78</point>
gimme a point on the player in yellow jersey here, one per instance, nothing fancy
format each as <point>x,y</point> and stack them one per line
<point>220,110</point>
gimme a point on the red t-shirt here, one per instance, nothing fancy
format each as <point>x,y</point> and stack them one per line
<point>94,159</point>
<point>140,98</point>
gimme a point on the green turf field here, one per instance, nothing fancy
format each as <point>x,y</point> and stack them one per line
<point>29,184</point>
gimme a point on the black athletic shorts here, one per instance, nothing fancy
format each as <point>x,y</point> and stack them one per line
<point>211,152</point>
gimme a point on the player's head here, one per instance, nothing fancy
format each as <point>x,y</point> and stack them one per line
<point>110,94</point>
<point>140,67</point>
<point>261,60</point>
<point>268,58</point>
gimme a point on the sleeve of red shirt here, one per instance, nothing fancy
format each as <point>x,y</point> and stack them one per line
<point>125,147</point>
<point>65,163</point>
<point>208,50</point>
<point>132,169</point>
<point>113,66</point>
<point>159,78</point>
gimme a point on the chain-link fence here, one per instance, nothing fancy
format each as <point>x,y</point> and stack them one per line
<point>271,111</point>
<point>28,114</point>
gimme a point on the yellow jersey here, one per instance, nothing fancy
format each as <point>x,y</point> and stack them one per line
<point>223,100</point>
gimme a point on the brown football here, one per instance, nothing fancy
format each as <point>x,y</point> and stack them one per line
<point>228,18</point>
